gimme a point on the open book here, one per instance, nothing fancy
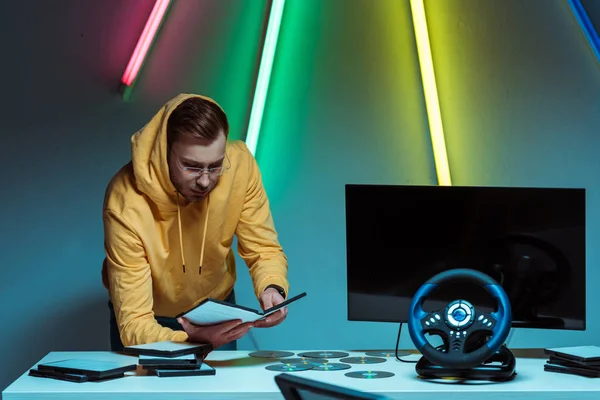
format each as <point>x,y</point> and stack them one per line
<point>211,311</point>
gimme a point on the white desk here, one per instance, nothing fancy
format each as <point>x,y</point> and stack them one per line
<point>242,377</point>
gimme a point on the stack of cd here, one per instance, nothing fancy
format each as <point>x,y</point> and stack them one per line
<point>81,370</point>
<point>577,360</point>
<point>186,365</point>
<point>173,358</point>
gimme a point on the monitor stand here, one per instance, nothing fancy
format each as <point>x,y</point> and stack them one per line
<point>503,369</point>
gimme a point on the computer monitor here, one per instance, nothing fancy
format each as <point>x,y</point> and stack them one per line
<point>298,388</point>
<point>531,240</point>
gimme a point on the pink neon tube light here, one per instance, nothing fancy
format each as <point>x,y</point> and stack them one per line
<point>144,42</point>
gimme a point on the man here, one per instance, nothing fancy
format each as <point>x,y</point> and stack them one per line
<point>170,216</point>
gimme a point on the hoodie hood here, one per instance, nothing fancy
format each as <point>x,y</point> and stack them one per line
<point>149,156</point>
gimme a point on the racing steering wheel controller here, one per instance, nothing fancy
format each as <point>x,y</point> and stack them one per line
<point>473,340</point>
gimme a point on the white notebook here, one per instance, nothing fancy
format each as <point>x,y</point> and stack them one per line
<point>211,311</point>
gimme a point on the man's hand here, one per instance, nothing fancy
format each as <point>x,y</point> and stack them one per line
<point>269,298</point>
<point>218,334</point>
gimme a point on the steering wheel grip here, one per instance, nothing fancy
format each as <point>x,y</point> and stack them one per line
<point>460,360</point>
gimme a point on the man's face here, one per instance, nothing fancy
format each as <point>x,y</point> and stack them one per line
<point>187,156</point>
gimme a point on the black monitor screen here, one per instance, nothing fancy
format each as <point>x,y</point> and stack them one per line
<point>530,240</point>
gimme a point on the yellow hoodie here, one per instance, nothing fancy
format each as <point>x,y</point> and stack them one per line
<point>149,231</point>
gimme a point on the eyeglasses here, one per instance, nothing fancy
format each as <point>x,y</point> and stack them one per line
<point>212,171</point>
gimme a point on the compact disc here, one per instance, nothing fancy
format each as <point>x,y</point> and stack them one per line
<point>324,354</point>
<point>308,361</point>
<point>369,374</point>
<point>330,367</point>
<point>271,354</point>
<point>363,360</point>
<point>288,367</point>
<point>387,353</point>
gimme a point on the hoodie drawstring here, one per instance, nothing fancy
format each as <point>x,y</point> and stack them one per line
<point>201,261</point>
<point>180,234</point>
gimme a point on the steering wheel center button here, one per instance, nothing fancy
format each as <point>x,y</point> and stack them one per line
<point>459,314</point>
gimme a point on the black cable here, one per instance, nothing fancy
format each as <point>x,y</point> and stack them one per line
<point>398,343</point>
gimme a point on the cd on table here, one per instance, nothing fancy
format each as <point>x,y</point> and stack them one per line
<point>331,367</point>
<point>363,360</point>
<point>324,354</point>
<point>271,354</point>
<point>369,374</point>
<point>288,367</point>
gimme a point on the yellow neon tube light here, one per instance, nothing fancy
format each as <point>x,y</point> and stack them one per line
<point>432,103</point>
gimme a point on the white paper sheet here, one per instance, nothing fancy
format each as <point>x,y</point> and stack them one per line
<point>211,313</point>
